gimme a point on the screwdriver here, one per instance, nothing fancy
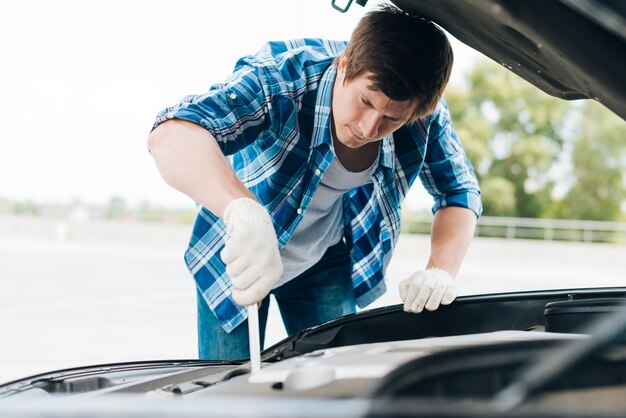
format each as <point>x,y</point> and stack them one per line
<point>254,339</point>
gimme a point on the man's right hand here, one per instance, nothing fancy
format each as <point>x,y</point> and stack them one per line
<point>251,252</point>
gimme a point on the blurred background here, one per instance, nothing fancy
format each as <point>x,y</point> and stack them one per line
<point>92,239</point>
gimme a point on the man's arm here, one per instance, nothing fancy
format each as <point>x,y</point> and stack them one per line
<point>449,177</point>
<point>189,160</point>
<point>451,234</point>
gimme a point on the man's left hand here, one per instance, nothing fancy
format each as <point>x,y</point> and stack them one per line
<point>427,289</point>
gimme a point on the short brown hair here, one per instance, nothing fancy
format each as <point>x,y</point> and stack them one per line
<point>409,57</point>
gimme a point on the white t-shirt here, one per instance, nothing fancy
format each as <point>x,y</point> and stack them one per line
<point>322,224</point>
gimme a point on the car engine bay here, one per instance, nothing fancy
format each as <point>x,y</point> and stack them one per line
<point>511,352</point>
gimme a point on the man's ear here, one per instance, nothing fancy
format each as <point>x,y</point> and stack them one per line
<point>341,67</point>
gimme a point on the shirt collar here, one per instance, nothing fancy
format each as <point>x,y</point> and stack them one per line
<point>386,152</point>
<point>322,119</point>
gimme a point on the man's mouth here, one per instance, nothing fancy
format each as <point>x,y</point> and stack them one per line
<point>355,135</point>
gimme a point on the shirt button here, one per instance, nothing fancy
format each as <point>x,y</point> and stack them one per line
<point>233,96</point>
<point>299,211</point>
<point>318,172</point>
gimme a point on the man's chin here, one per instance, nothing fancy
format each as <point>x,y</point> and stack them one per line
<point>351,142</point>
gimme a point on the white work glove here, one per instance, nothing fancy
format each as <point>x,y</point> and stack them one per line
<point>427,289</point>
<point>251,252</point>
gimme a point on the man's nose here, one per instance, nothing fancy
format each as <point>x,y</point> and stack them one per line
<point>369,124</point>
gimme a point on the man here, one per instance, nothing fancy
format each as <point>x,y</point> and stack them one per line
<point>300,161</point>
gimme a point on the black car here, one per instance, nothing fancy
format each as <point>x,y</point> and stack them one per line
<point>557,353</point>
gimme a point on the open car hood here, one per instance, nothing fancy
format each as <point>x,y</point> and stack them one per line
<point>552,44</point>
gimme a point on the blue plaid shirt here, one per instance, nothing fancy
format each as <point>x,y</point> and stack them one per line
<point>272,118</point>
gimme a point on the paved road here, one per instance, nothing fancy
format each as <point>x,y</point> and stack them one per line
<point>93,298</point>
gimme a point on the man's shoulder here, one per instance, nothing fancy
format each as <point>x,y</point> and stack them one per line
<point>307,48</point>
<point>294,65</point>
<point>441,115</point>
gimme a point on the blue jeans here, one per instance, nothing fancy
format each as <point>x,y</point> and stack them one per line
<point>322,293</point>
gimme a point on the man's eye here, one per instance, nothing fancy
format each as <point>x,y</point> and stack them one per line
<point>365,102</point>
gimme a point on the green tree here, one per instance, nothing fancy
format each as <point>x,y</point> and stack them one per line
<point>498,196</point>
<point>116,208</point>
<point>28,207</point>
<point>516,137</point>
<point>598,162</point>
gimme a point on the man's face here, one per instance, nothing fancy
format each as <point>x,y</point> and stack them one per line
<point>362,115</point>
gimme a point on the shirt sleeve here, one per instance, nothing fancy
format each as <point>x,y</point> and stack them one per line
<point>235,112</point>
<point>447,174</point>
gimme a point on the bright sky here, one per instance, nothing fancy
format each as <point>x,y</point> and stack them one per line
<point>81,82</point>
